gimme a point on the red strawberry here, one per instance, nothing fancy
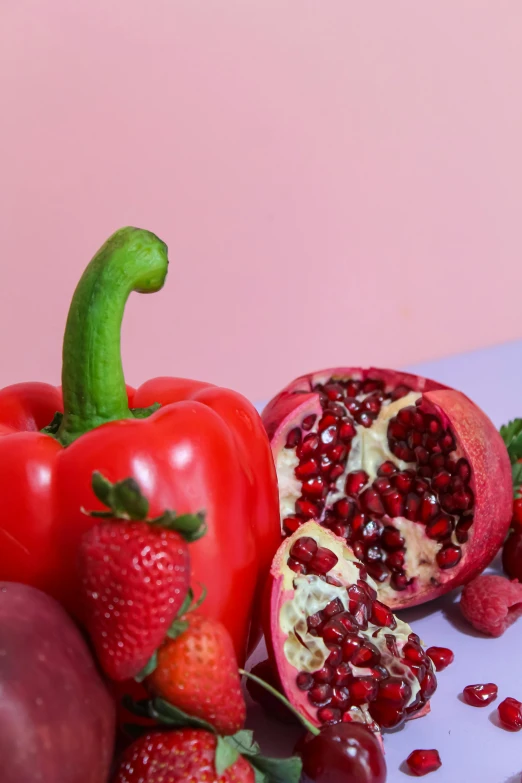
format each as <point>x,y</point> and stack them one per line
<point>178,757</point>
<point>135,576</point>
<point>197,672</point>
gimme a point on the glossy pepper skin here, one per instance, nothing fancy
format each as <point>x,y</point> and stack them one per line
<point>200,448</point>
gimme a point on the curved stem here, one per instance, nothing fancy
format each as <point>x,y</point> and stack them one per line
<point>306,723</point>
<point>92,374</point>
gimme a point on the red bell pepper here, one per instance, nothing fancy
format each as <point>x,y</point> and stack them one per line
<point>191,446</point>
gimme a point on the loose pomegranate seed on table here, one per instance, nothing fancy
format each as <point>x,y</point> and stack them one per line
<point>480,695</point>
<point>510,714</point>
<point>441,657</point>
<point>422,762</point>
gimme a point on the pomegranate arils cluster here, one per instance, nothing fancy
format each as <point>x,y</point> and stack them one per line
<point>361,662</point>
<point>491,603</point>
<point>418,476</point>
<point>421,762</point>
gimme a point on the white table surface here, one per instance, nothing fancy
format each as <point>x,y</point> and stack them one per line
<point>472,747</point>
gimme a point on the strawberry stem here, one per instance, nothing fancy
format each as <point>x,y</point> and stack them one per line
<point>306,723</point>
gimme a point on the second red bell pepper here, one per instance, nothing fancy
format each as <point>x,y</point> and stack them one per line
<point>191,447</point>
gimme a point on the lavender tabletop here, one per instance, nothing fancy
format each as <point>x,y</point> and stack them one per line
<point>471,744</point>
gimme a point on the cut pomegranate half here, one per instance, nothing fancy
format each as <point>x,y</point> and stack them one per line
<point>340,653</point>
<point>412,474</point>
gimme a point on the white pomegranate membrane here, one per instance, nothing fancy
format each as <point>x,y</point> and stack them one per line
<point>382,471</point>
<point>341,654</point>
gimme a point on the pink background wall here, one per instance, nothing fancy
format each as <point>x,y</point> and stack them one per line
<point>337,181</point>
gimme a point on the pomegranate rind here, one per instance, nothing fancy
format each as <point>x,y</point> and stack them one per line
<point>279,591</point>
<point>492,603</point>
<point>477,440</point>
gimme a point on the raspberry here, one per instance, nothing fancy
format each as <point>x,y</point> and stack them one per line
<point>492,603</point>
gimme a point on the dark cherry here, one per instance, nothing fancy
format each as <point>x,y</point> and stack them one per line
<point>270,704</point>
<point>512,555</point>
<point>343,753</point>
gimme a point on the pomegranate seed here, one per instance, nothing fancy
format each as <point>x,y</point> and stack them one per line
<point>370,592</point>
<point>421,455</point>
<point>327,420</point>
<point>304,681</point>
<point>447,443</point>
<point>358,549</point>
<point>462,501</point>
<point>331,581</point>
<point>449,556</point>
<point>463,470</point>
<point>315,622</point>
<point>361,617</point>
<point>372,404</point>
<point>334,632</point>
<point>437,462</point>
<point>441,657</point>
<point>352,388</point>
<point>450,464</point>
<point>336,472</point>
<point>406,415</point>
<point>358,522</point>
<point>403,482</point>
<point>293,438</point>
<point>340,698</point>
<point>356,596</point>
<point>364,418</point>
<point>413,652</point>
<point>343,675</point>
<point>320,695</point>
<point>347,430</point>
<point>348,622</point>
<point>428,685</point>
<point>296,566</point>
<point>314,488</point>
<point>335,657</point>
<point>395,690</point>
<point>308,422</point>
<point>393,503</point>
<point>306,470</point>
<point>381,484</point>
<point>402,451</point>
<point>440,528</point>
<point>371,502</point>
<point>510,714</point>
<point>291,524</point>
<point>333,608</point>
<point>334,391</point>
<point>412,506</point>
<point>387,469</point>
<point>363,689</point>
<point>323,675</point>
<point>386,714</point>
<point>429,507</point>
<point>329,715</point>
<point>379,673</point>
<point>420,486</point>
<point>343,531</point>
<point>480,695</point>
<point>399,581</point>
<point>337,453</point>
<point>304,549</point>
<point>372,384</point>
<point>306,509</point>
<point>397,430</point>
<point>400,391</point>
<point>371,531</point>
<point>367,655</point>
<point>344,508</point>
<point>382,615</point>
<point>415,439</point>
<point>395,560</point>
<point>391,644</point>
<point>328,436</point>
<point>323,561</point>
<point>355,482</point>
<point>421,762</point>
<point>391,539</point>
<point>309,446</point>
<point>378,571</point>
<point>414,638</point>
<point>373,554</point>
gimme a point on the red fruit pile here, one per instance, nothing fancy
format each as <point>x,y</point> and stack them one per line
<point>491,603</point>
<point>410,473</point>
<point>341,655</point>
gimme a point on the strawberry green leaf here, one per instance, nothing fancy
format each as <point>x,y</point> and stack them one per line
<point>177,628</point>
<point>512,435</point>
<point>148,668</point>
<point>124,498</point>
<point>167,713</point>
<point>226,755</point>
<point>267,770</point>
<point>516,472</point>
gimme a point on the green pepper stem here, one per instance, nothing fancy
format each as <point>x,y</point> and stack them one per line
<point>93,383</point>
<point>306,723</point>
